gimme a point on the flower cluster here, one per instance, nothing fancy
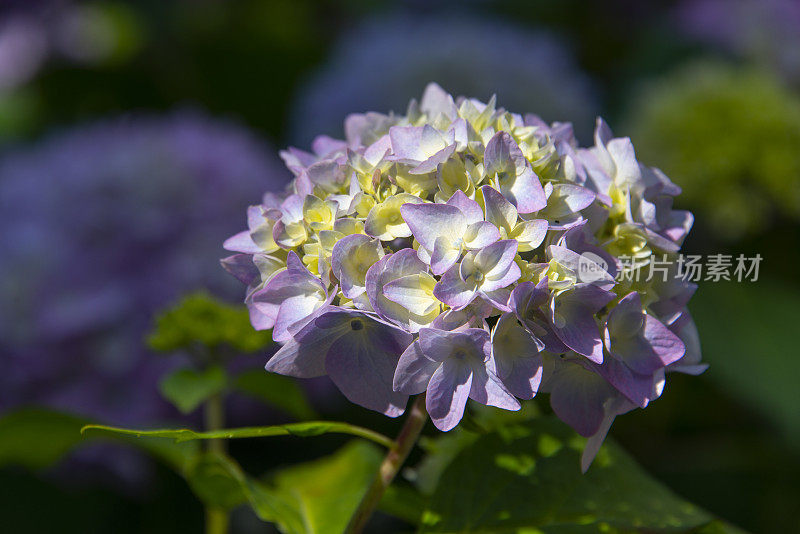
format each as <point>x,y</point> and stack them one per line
<point>468,252</point>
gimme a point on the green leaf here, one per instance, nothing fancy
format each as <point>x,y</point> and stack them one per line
<point>38,438</point>
<point>216,480</point>
<point>279,391</point>
<point>718,527</point>
<point>526,478</point>
<point>441,450</point>
<point>404,502</point>
<point>318,497</point>
<point>752,352</point>
<point>199,319</point>
<point>188,388</point>
<point>306,429</point>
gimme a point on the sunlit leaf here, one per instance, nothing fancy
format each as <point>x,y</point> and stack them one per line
<point>527,476</point>
<point>318,497</point>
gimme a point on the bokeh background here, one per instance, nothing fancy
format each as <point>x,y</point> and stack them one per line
<point>133,134</point>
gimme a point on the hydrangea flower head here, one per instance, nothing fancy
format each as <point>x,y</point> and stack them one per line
<point>466,252</point>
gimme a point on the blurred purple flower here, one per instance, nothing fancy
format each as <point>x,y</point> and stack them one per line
<point>766,31</point>
<point>23,48</point>
<point>382,61</point>
<point>102,225</point>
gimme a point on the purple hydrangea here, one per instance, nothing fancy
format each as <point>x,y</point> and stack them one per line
<point>102,225</point>
<point>466,252</point>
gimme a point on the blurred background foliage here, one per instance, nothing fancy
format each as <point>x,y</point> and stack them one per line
<point>133,134</point>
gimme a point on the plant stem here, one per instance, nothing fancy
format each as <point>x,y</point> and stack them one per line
<point>215,420</point>
<point>216,518</point>
<point>391,465</point>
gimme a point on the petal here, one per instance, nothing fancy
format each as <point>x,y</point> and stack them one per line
<point>448,391</point>
<point>304,355</point>
<point>497,298</point>
<point>453,291</point>
<point>430,221</point>
<point>414,292</point>
<point>626,319</point>
<point>503,156</point>
<point>472,316</point>
<point>391,267</point>
<point>496,281</point>
<point>241,266</point>
<point>573,319</point>
<point>385,221</point>
<point>664,343</point>
<point>525,377</point>
<point>481,234</point>
<point>327,174</point>
<point>241,242</point>
<point>565,200</point>
<point>364,373</point>
<point>487,389</point>
<point>471,209</point>
<point>416,144</point>
<point>443,255</point>
<point>351,258</point>
<point>530,234</point>
<point>611,409</point>
<point>436,101</point>
<point>499,211</point>
<point>587,267</point>
<point>577,397</point>
<point>621,151</point>
<point>433,162</point>
<point>414,371</point>
<point>436,344</point>
<point>638,388</point>
<point>288,284</point>
<point>293,310</point>
<point>528,296</point>
<point>495,259</point>
<point>321,309</point>
<point>686,330</point>
<point>524,191</point>
<point>510,342</point>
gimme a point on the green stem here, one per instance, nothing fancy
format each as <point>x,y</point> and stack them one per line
<point>217,520</point>
<point>215,420</point>
<point>391,465</point>
<point>309,428</point>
